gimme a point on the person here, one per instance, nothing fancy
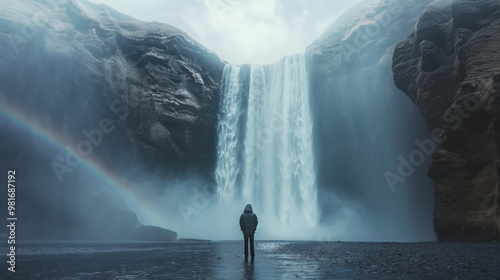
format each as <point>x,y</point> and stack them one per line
<point>248,225</point>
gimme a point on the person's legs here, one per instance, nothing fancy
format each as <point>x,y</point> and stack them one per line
<point>251,246</point>
<point>246,245</point>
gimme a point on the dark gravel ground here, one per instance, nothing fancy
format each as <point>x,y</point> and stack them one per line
<point>327,260</point>
<point>274,260</point>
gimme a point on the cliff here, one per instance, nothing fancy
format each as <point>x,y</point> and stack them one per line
<point>449,66</point>
<point>81,79</point>
<point>363,126</point>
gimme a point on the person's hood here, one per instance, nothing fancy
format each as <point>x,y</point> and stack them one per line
<point>248,208</point>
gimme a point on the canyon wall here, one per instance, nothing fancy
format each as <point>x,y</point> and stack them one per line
<point>87,90</point>
<point>449,66</point>
<point>364,128</point>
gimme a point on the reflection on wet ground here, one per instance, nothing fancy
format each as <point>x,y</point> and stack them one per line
<point>148,260</point>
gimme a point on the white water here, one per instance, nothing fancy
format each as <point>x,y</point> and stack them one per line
<point>265,154</point>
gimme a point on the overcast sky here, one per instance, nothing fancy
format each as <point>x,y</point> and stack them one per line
<point>242,31</point>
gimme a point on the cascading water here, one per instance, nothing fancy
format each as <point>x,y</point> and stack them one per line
<point>265,153</point>
<point>266,156</point>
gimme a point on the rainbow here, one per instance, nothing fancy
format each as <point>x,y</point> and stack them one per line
<point>53,139</point>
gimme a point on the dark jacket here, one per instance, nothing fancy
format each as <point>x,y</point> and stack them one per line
<point>248,221</point>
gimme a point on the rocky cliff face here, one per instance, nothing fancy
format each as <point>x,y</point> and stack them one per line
<point>140,98</point>
<point>363,125</point>
<point>449,66</point>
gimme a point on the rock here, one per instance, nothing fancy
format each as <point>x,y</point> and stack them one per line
<point>350,73</point>
<point>135,100</point>
<point>157,85</point>
<point>152,233</point>
<point>449,66</point>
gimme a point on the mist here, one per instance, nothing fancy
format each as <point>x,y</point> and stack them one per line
<point>162,132</point>
<point>134,137</point>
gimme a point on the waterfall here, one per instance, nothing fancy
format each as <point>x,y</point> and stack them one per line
<point>264,152</point>
<point>228,131</point>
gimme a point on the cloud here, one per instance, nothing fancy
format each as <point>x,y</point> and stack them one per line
<point>242,31</point>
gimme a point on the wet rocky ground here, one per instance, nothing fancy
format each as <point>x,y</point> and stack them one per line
<point>274,260</point>
<point>394,260</point>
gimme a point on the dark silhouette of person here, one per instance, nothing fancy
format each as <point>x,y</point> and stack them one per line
<point>248,225</point>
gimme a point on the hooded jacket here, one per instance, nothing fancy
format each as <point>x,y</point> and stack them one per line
<point>248,221</point>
